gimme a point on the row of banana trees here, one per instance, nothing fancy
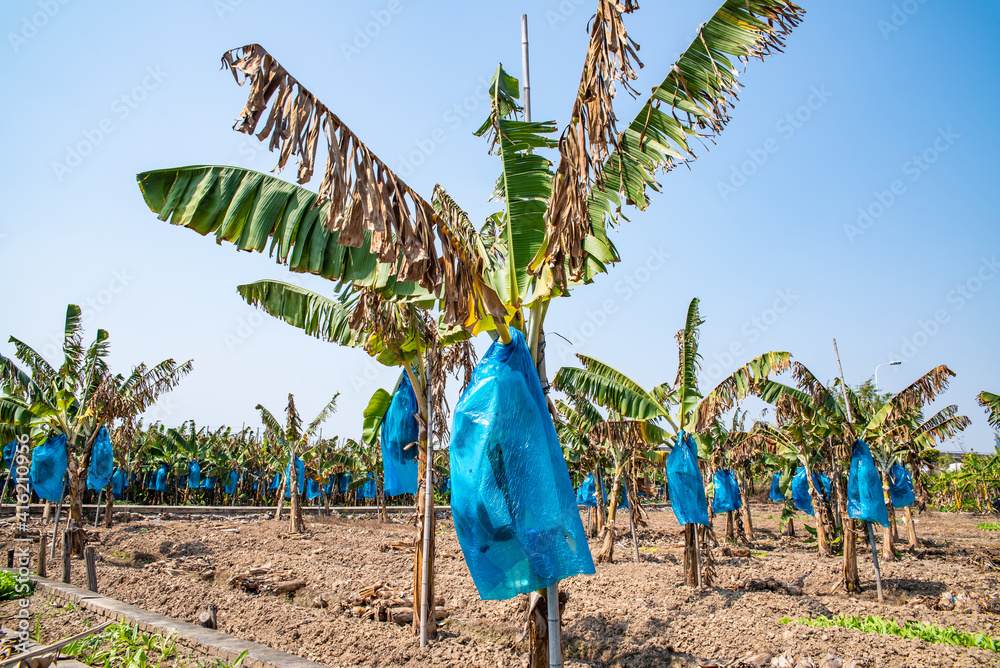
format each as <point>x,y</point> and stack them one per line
<point>613,427</point>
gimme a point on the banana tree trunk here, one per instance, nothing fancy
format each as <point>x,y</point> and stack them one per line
<point>281,501</point>
<point>109,506</point>
<point>691,566</point>
<point>599,506</point>
<point>425,522</point>
<point>745,510</point>
<point>730,528</point>
<point>423,561</point>
<point>852,581</point>
<point>296,524</point>
<point>607,553</point>
<point>887,537</point>
<point>817,501</point>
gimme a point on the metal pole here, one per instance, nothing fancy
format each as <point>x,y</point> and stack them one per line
<point>552,591</point>
<point>878,572</point>
<point>524,68</point>
<point>843,383</point>
<point>425,585</point>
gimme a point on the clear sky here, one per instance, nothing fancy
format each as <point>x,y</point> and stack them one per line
<point>852,195</point>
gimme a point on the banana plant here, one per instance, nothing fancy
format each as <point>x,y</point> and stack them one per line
<point>294,440</point>
<point>76,399</point>
<point>991,402</point>
<point>664,413</point>
<point>371,230</point>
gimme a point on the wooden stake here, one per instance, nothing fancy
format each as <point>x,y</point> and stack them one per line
<point>207,618</point>
<point>10,558</point>
<point>425,579</point>
<point>42,540</point>
<point>91,560</point>
<point>65,556</point>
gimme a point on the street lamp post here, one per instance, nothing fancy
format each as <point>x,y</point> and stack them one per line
<point>893,363</point>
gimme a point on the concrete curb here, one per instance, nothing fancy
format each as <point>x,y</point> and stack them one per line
<point>226,647</point>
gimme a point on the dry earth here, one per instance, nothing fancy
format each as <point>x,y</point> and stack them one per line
<point>628,614</point>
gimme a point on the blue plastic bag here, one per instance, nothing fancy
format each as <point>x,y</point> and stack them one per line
<point>400,432</point>
<point>160,481</point>
<point>48,467</point>
<point>800,489</point>
<point>727,492</point>
<point>118,482</point>
<point>102,462</point>
<point>234,479</point>
<point>343,482</point>
<point>512,499</point>
<point>312,489</point>
<point>207,483</point>
<point>687,490</point>
<point>300,468</point>
<point>587,494</point>
<point>367,490</point>
<point>900,487</point>
<point>623,496</point>
<point>776,496</point>
<point>864,488</point>
<point>8,455</point>
<point>194,475</point>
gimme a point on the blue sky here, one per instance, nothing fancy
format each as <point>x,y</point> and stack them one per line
<point>849,197</point>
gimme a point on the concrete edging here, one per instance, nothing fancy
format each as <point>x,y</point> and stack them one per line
<point>226,647</point>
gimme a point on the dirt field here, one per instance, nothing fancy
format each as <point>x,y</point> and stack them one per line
<point>628,614</point>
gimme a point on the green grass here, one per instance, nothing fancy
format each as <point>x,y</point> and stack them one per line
<point>988,526</point>
<point>932,633</point>
<point>123,646</point>
<point>11,589</point>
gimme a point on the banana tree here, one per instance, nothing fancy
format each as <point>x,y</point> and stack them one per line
<point>991,402</point>
<point>818,415</point>
<point>77,399</point>
<point>294,440</point>
<point>668,411</point>
<point>372,230</point>
<point>888,425</point>
<point>578,418</point>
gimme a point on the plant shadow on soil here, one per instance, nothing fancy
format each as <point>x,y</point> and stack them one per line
<point>596,638</point>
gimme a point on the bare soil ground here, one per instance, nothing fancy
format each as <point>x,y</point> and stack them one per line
<point>628,614</point>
